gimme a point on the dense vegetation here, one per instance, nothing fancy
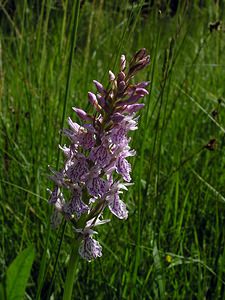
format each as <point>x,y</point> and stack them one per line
<point>172,245</point>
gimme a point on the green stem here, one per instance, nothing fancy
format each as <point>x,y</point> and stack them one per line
<point>71,271</point>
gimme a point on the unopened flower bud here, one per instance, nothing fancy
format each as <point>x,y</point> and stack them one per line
<point>145,61</point>
<point>143,84</point>
<point>130,109</point>
<point>141,64</point>
<point>82,114</point>
<point>99,87</point>
<point>111,76</point>
<point>101,101</point>
<point>131,100</point>
<point>140,54</point>
<point>121,86</point>
<point>122,62</point>
<point>93,100</point>
<point>141,91</point>
<point>121,76</point>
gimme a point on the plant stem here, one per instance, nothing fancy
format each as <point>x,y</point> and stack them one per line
<point>71,271</point>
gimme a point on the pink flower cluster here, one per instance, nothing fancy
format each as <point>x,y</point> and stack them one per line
<point>96,170</point>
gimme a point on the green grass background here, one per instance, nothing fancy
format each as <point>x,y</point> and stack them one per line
<point>177,204</point>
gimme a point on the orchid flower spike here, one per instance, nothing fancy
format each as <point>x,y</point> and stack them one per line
<point>97,171</point>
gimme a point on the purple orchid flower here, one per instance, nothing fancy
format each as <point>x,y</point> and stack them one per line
<point>97,159</point>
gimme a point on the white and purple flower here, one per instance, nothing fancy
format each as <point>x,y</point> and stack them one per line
<point>96,159</point>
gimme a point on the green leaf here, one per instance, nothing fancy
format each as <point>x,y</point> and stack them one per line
<point>18,273</point>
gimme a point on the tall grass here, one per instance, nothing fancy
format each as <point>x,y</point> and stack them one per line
<point>172,245</point>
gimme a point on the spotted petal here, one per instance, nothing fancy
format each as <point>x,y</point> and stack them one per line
<point>100,155</point>
<point>97,187</point>
<point>117,206</point>
<point>76,206</point>
<point>90,248</point>
<point>124,168</point>
<point>75,170</point>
